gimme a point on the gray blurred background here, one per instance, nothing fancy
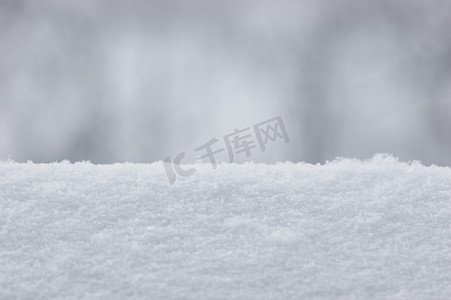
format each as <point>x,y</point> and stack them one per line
<point>114,81</point>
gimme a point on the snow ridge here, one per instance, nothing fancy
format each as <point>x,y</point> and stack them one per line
<point>348,229</point>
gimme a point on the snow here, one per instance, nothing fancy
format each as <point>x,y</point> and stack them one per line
<point>348,229</point>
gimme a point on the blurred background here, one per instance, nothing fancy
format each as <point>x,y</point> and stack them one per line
<point>115,81</point>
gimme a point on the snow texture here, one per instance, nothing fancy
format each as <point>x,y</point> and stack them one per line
<point>348,229</point>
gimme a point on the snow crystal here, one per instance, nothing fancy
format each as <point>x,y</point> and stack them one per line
<point>348,229</point>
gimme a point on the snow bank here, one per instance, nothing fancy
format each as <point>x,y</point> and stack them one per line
<point>348,229</point>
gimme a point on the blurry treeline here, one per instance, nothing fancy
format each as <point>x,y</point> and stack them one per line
<point>112,81</point>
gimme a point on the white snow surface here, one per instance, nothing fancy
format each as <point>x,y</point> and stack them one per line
<point>348,229</point>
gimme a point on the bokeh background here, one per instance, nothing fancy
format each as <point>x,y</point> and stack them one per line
<point>115,81</point>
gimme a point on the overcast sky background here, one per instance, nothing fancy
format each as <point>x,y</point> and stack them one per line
<point>115,81</point>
